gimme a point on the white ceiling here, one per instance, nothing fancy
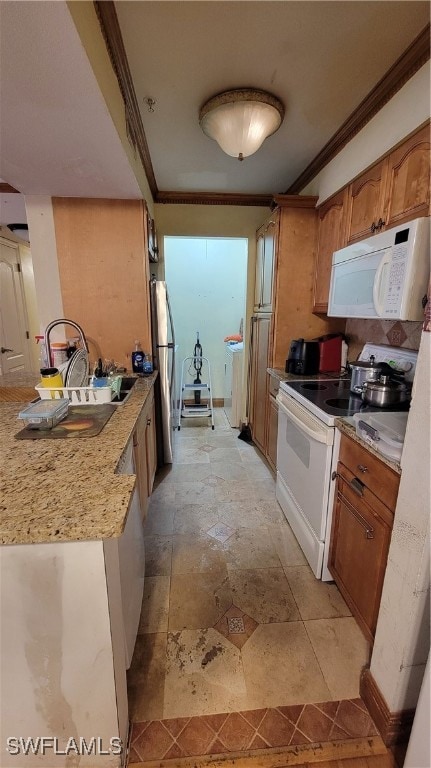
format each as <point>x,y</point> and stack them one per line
<point>321,58</point>
<point>57,137</point>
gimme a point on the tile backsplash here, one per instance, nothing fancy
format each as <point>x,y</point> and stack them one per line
<point>396,334</point>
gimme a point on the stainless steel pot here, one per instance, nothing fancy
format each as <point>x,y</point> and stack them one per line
<point>385,392</point>
<point>362,371</point>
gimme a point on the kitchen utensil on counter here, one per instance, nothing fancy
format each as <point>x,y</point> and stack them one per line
<point>385,392</point>
<point>51,377</point>
<point>383,431</point>
<point>79,421</point>
<point>77,370</point>
<point>362,371</point>
<point>44,414</point>
<point>303,358</point>
<point>330,352</point>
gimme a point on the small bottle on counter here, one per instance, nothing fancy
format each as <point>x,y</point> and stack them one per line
<point>148,365</point>
<point>138,358</point>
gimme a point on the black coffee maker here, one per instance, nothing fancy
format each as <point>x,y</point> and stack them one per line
<point>304,358</point>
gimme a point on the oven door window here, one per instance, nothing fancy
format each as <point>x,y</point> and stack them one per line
<point>304,462</point>
<point>299,443</point>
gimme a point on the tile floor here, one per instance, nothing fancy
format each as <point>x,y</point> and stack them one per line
<point>233,620</point>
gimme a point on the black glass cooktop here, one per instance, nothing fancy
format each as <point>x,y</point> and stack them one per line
<point>333,397</point>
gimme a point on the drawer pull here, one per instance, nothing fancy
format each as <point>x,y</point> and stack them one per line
<point>369,530</point>
<point>357,486</point>
<point>362,468</point>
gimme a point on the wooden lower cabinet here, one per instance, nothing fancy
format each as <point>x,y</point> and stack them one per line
<point>360,537</point>
<point>271,453</point>
<point>144,452</point>
<point>261,334</point>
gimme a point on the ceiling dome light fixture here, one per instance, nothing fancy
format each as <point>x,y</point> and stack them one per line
<point>241,120</point>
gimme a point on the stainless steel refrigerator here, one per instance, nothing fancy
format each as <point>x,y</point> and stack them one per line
<point>164,349</point>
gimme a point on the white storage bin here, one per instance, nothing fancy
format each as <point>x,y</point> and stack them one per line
<point>77,395</point>
<point>386,431</point>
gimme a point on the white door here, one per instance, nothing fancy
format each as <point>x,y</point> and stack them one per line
<point>13,323</point>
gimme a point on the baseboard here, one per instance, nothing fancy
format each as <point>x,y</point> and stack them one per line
<point>394,727</point>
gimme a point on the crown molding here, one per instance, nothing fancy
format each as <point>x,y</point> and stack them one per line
<point>111,31</point>
<point>413,58</point>
<point>210,198</point>
<point>7,189</point>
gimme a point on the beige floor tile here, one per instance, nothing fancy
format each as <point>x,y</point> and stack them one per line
<point>286,545</point>
<point>196,554</point>
<point>264,594</point>
<point>204,675</point>
<point>280,667</point>
<point>189,473</point>
<point>315,599</point>
<point>342,652</point>
<point>225,453</point>
<point>249,453</point>
<point>146,678</point>
<point>264,489</point>
<point>259,471</point>
<point>158,555</point>
<point>237,491</point>
<point>155,605</point>
<point>189,455</point>
<point>241,514</point>
<point>195,518</point>
<point>195,492</point>
<point>251,548</point>
<point>199,600</point>
<point>234,472</point>
<point>160,517</point>
<point>250,513</point>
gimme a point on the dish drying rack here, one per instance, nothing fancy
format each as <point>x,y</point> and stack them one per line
<point>77,395</point>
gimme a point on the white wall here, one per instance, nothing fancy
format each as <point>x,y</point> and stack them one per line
<point>207,286</point>
<point>407,110</point>
<point>41,229</point>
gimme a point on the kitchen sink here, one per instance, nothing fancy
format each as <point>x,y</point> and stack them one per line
<point>127,384</point>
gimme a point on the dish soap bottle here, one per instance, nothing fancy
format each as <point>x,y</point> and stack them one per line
<point>138,358</point>
<point>147,365</point>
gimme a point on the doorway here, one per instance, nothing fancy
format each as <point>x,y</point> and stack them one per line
<point>207,280</point>
<point>14,336</point>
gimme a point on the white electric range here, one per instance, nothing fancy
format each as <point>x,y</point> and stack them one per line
<point>308,447</point>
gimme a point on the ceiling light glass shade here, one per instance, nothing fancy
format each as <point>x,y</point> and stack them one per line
<point>240,120</point>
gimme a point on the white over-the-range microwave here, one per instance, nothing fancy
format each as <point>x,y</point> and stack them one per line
<point>384,276</point>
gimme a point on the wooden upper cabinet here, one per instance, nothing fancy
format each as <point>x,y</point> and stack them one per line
<point>408,187</point>
<point>260,245</point>
<point>365,203</point>
<point>265,265</point>
<point>394,190</point>
<point>330,238</point>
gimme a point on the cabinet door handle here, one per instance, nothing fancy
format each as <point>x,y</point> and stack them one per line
<point>362,468</point>
<point>373,227</point>
<point>148,422</point>
<point>357,486</point>
<point>369,530</point>
<point>381,223</point>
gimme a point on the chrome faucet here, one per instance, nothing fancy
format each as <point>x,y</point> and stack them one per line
<point>62,321</point>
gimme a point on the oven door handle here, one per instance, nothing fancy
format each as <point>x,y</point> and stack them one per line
<point>307,424</point>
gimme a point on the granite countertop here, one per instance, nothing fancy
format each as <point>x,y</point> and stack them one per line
<point>347,428</point>
<point>66,490</point>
